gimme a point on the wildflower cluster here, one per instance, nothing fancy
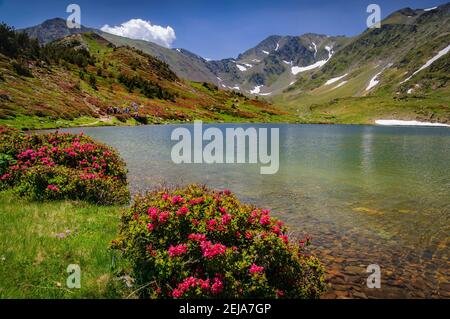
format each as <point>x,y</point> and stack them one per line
<point>198,243</point>
<point>62,166</point>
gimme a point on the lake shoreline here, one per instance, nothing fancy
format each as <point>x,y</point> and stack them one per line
<point>438,125</point>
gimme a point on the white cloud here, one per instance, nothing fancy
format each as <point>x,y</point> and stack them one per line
<point>143,30</point>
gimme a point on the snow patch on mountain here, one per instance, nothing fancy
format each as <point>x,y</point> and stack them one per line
<point>430,9</point>
<point>278,46</point>
<point>374,81</point>
<point>241,68</point>
<point>408,123</point>
<point>330,51</point>
<point>430,62</point>
<point>265,52</point>
<point>299,69</point>
<point>333,80</point>
<point>315,49</point>
<point>257,89</point>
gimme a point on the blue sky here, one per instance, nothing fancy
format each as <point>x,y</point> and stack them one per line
<point>211,28</point>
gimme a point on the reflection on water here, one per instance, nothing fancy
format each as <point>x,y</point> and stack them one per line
<point>368,195</point>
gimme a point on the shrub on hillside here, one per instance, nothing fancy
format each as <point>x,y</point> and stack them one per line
<point>62,166</point>
<point>21,69</point>
<point>198,243</point>
<point>143,119</point>
<point>93,82</point>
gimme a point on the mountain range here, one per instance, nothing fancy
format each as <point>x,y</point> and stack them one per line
<point>400,70</point>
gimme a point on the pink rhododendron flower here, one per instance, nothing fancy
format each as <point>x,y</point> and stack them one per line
<point>177,293</point>
<point>197,237</point>
<point>217,286</point>
<point>53,188</point>
<point>276,230</point>
<point>153,213</point>
<point>179,250</point>
<point>196,201</point>
<point>5,177</point>
<point>25,154</point>
<point>254,269</point>
<point>211,250</point>
<point>177,199</point>
<point>285,238</point>
<point>204,284</point>
<point>212,225</point>
<point>254,214</point>
<point>163,217</point>
<point>182,211</point>
<point>265,220</point>
<point>165,197</point>
<point>150,227</point>
<point>89,176</point>
<point>222,210</point>
<point>226,219</point>
<point>193,282</point>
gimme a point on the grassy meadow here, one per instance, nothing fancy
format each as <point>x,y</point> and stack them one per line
<point>36,248</point>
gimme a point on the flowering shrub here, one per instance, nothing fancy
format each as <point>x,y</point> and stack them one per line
<point>198,243</point>
<point>61,166</point>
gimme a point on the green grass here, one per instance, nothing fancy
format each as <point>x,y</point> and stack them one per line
<point>24,122</point>
<point>366,110</point>
<point>33,261</point>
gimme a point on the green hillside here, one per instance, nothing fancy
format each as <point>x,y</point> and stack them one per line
<point>84,79</point>
<point>392,58</point>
